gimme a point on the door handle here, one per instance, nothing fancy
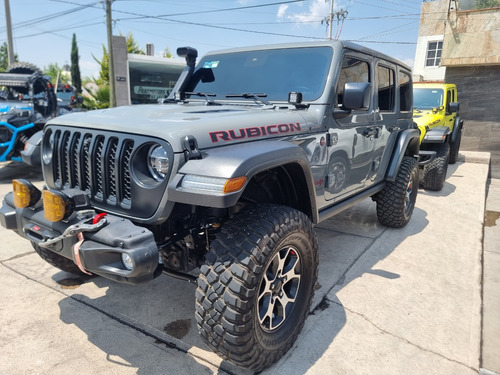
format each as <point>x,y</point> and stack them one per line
<point>393,128</point>
<point>370,132</point>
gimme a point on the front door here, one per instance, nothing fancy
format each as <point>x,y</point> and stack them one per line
<point>352,138</point>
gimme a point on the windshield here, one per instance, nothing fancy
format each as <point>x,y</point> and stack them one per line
<point>65,95</point>
<point>272,72</point>
<point>427,98</point>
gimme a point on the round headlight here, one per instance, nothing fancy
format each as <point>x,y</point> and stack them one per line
<point>159,164</point>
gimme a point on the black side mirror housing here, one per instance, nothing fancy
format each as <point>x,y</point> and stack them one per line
<point>453,107</point>
<point>356,95</point>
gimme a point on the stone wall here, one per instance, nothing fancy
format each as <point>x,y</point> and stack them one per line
<point>478,91</point>
<point>479,97</point>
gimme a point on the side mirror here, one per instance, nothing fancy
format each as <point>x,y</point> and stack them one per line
<point>453,107</point>
<point>356,95</point>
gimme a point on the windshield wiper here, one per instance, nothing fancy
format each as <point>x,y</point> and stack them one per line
<point>248,95</point>
<point>205,95</point>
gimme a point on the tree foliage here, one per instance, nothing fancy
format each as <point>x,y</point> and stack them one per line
<point>103,78</point>
<point>133,46</point>
<point>482,4</point>
<point>55,72</point>
<point>97,99</point>
<point>167,53</point>
<point>4,57</point>
<point>76,78</point>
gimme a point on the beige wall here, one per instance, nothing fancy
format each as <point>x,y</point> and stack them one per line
<point>472,38</point>
<point>430,18</point>
<point>431,29</point>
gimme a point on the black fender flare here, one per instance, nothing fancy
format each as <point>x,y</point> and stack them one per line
<point>31,154</point>
<point>438,134</point>
<point>236,161</point>
<point>407,144</point>
<point>459,123</point>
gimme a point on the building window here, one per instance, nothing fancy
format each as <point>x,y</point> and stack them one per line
<point>434,50</point>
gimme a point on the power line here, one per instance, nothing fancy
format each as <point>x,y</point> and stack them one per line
<point>49,17</point>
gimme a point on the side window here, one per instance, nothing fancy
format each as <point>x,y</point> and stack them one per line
<point>405,92</point>
<point>386,88</point>
<point>353,70</point>
<point>448,100</point>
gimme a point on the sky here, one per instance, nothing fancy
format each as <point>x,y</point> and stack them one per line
<point>43,29</point>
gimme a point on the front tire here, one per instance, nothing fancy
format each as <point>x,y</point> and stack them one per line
<point>395,203</point>
<point>256,288</point>
<point>435,171</point>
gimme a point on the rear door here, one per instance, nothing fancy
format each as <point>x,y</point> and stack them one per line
<point>386,118</point>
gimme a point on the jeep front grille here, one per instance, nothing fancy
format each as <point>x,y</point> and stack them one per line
<point>97,164</point>
<point>102,164</point>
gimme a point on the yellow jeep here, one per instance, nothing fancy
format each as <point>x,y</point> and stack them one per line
<point>435,111</point>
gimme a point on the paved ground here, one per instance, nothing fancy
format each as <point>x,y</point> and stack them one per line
<point>388,301</point>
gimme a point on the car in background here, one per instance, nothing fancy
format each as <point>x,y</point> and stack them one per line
<point>67,99</point>
<point>435,111</point>
<point>26,103</point>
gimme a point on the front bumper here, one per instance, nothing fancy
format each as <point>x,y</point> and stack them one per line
<point>101,250</point>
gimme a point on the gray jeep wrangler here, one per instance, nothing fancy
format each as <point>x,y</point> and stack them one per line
<point>222,182</point>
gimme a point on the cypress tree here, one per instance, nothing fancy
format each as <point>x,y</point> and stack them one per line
<point>76,78</point>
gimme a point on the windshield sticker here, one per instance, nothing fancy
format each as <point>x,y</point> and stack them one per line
<point>210,64</point>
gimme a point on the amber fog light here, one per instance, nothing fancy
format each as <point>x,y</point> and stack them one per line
<point>25,194</point>
<point>56,205</point>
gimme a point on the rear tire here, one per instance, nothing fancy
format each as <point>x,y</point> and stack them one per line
<point>435,171</point>
<point>57,260</point>
<point>256,288</point>
<point>395,203</point>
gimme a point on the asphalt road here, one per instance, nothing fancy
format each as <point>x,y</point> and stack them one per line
<point>388,301</point>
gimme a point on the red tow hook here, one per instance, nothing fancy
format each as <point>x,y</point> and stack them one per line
<point>76,248</point>
<point>97,218</point>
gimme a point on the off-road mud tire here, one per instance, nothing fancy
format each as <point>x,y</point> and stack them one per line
<point>434,173</point>
<point>454,147</point>
<point>23,68</point>
<point>395,203</point>
<point>57,260</point>
<point>234,289</point>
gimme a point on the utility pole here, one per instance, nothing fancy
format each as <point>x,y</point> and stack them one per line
<point>330,21</point>
<point>109,28</point>
<point>8,25</point>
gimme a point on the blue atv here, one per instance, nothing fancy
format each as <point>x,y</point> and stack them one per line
<point>27,101</point>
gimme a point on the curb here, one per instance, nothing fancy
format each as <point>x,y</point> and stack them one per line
<point>474,157</point>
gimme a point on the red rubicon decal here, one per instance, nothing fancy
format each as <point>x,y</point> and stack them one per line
<point>231,135</point>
